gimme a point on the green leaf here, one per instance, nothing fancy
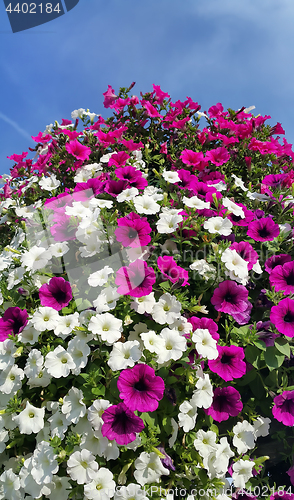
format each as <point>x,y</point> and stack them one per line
<point>260,344</point>
<point>252,354</point>
<point>99,391</point>
<point>257,388</point>
<point>283,346</point>
<point>273,358</point>
<point>165,285</point>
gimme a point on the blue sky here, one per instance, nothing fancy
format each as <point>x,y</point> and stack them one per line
<point>237,52</point>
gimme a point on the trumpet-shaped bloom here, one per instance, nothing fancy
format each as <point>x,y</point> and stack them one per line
<point>121,424</point>
<point>283,409</point>
<point>135,280</point>
<point>56,294</point>
<point>230,297</point>
<point>226,403</point>
<point>229,364</point>
<point>12,322</point>
<point>282,316</point>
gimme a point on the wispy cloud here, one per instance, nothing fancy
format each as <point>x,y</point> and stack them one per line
<point>15,126</point>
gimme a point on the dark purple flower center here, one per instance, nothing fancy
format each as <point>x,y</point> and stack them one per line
<point>264,232</point>
<point>229,297</point>
<point>236,218</point>
<point>226,359</point>
<point>140,385</point>
<point>289,317</point>
<point>132,233</point>
<point>17,325</point>
<point>60,296</point>
<point>290,278</point>
<point>120,423</point>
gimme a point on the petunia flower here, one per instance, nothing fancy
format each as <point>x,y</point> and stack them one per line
<point>283,409</point>
<point>282,316</point>
<point>56,294</point>
<point>226,403</point>
<point>229,364</point>
<point>230,297</point>
<point>121,424</point>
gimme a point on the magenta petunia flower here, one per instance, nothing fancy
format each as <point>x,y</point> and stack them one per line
<point>56,294</point>
<point>247,252</point>
<point>282,495</point>
<point>114,188</point>
<point>276,260</point>
<point>230,297</point>
<point>242,318</point>
<point>118,159</point>
<point>237,219</point>
<point>263,229</point>
<point>282,316</point>
<point>64,230</point>
<point>229,364</point>
<point>171,270</point>
<point>273,180</point>
<point>283,409</point>
<point>132,175</point>
<point>77,149</point>
<point>226,403</point>
<point>205,324</point>
<point>194,158</point>
<point>12,322</point>
<point>135,280</point>
<point>140,388</point>
<point>282,278</point>
<point>109,97</point>
<point>133,231</point>
<point>218,156</point>
<point>290,473</point>
<point>120,424</point>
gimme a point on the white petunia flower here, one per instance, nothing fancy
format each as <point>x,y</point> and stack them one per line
<point>149,468</point>
<point>218,225</point>
<point>124,355</point>
<point>41,380</point>
<point>58,424</point>
<point>203,395</point>
<point>242,472</point>
<point>73,406</point>
<point>258,196</point>
<point>49,183</point>
<point>106,300</point>
<point>146,205</point>
<point>203,268</point>
<point>7,351</point>
<point>10,485</point>
<point>79,351</point>
<point>28,483</point>
<point>45,318</point>
<point>99,278</point>
<point>78,113</point>
<point>195,202</point>
<point>261,426</point>
<point>82,175</point>
<point>44,463</point>
<point>66,324</point>
<point>205,442</point>
<point>15,276</point>
<point>102,486</point>
<point>187,415</point>
<point>95,412</point>
<point>152,341</point>
<point>31,419</point>
<point>35,258</point>
<point>112,451</point>
<point>168,223</point>
<point>175,430</point>
<point>257,268</point>
<point>106,326</point>
<point>81,466</point>
<point>34,363</point>
<point>239,182</point>
<point>166,310</point>
<point>182,325</point>
<point>29,334</point>
<point>244,436</point>
<point>171,176</point>
<point>59,362</point>
<point>205,344</point>
<point>4,436</point>
<point>143,304</point>
<point>11,380</point>
<point>127,194</point>
<point>95,442</point>
<point>233,207</point>
<point>174,346</point>
<point>234,262</point>
<point>61,488</point>
<point>155,192</point>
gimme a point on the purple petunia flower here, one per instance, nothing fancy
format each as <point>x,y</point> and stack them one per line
<point>276,260</point>
<point>140,388</point>
<point>230,297</point>
<point>226,403</point>
<point>121,424</point>
<point>132,175</point>
<point>273,180</point>
<point>282,495</point>
<point>167,462</point>
<point>12,322</point>
<point>229,364</point>
<point>114,188</point>
<point>283,409</point>
<point>242,318</point>
<point>57,293</point>
<point>263,229</point>
<point>282,316</point>
<point>290,473</point>
<point>282,278</point>
<point>133,231</point>
<point>205,324</point>
<point>263,330</point>
<point>171,270</point>
<point>135,280</point>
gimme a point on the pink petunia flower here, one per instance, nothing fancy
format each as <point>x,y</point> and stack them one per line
<point>12,322</point>
<point>135,280</point>
<point>118,159</point>
<point>226,403</point>
<point>133,231</point>
<point>109,97</point>
<point>246,251</point>
<point>171,270</point>
<point>282,278</point>
<point>263,229</point>
<point>282,316</point>
<point>194,159</point>
<point>276,260</point>
<point>205,324</point>
<point>140,388</point>
<point>230,297</point>
<point>77,149</point>
<point>56,294</point>
<point>218,156</point>
<point>283,409</point>
<point>121,424</point>
<point>229,364</point>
